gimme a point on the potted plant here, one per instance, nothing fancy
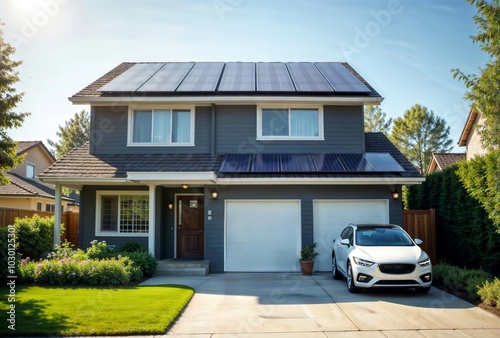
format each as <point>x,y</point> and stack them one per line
<point>307,256</point>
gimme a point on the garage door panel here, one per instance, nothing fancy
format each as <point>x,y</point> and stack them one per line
<point>332,216</point>
<point>262,235</point>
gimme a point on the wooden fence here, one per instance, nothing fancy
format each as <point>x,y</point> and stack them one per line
<point>422,224</point>
<point>68,218</point>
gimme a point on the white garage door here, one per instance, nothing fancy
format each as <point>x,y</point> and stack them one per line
<point>332,216</point>
<point>262,235</point>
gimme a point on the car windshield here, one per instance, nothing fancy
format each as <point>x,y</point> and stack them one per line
<point>373,236</point>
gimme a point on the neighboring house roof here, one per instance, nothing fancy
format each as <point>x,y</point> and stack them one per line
<point>468,127</point>
<point>24,146</point>
<point>25,187</point>
<point>228,79</point>
<point>440,161</point>
<point>80,164</point>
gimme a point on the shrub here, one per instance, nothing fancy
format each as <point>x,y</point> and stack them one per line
<point>145,261</point>
<point>34,235</point>
<point>468,280</point>
<point>99,250</point>
<point>490,292</point>
<point>132,247</point>
<point>134,271</point>
<point>74,271</point>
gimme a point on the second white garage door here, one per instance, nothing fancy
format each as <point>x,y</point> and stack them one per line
<point>332,216</point>
<point>262,235</point>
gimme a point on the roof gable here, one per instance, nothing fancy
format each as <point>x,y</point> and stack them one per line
<point>25,146</point>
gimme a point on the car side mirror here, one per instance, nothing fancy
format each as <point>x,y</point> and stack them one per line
<point>418,241</point>
<point>345,242</point>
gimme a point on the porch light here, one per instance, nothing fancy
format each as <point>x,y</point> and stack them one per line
<point>185,186</point>
<point>395,194</point>
<point>170,205</point>
<point>215,194</point>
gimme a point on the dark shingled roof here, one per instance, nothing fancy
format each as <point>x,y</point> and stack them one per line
<point>80,164</point>
<point>21,186</point>
<point>24,146</point>
<point>91,91</point>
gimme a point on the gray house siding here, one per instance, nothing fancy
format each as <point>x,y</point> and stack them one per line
<point>109,133</point>
<point>214,229</point>
<point>236,132</point>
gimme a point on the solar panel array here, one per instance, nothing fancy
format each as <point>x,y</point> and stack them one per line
<point>230,77</point>
<point>302,163</point>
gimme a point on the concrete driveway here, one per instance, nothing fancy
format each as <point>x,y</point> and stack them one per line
<point>292,305</point>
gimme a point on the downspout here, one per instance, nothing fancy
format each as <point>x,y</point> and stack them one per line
<point>212,148</point>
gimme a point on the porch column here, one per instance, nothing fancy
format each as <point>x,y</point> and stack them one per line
<point>152,213</point>
<point>57,215</point>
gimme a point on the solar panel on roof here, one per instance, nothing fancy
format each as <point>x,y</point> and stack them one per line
<point>296,163</point>
<point>266,163</point>
<point>236,163</point>
<point>327,162</point>
<point>132,78</point>
<point>355,162</point>
<point>383,162</point>
<point>341,79</point>
<point>273,76</point>
<point>238,76</point>
<point>168,78</point>
<point>203,77</point>
<point>307,77</point>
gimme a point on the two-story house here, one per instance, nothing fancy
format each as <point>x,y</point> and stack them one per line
<point>25,191</point>
<point>238,163</point>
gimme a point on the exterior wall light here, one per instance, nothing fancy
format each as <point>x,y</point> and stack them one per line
<point>170,205</point>
<point>395,194</point>
<point>215,194</point>
<point>185,186</point>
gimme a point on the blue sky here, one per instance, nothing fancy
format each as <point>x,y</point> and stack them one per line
<point>405,49</point>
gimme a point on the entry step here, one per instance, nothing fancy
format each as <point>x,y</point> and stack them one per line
<point>174,267</point>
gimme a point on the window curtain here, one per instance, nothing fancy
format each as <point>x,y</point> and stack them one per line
<point>142,126</point>
<point>275,122</point>
<point>181,126</point>
<point>161,126</point>
<point>304,122</point>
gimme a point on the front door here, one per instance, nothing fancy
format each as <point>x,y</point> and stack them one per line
<point>190,226</point>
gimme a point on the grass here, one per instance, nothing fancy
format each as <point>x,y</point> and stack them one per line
<point>70,311</point>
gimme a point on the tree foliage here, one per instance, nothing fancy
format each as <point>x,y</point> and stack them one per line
<point>9,99</point>
<point>75,133</point>
<point>462,223</point>
<point>375,120</point>
<point>481,178</point>
<point>484,88</point>
<point>418,134</point>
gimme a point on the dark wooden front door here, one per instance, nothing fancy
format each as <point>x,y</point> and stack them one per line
<point>190,226</point>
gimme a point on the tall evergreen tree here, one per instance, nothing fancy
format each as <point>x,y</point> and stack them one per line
<point>375,120</point>
<point>484,88</point>
<point>418,134</point>
<point>75,133</point>
<point>9,99</point>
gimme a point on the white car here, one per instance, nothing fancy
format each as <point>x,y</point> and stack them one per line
<point>380,255</point>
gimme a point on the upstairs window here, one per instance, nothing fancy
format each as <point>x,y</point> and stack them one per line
<point>163,127</point>
<point>30,171</point>
<point>275,123</point>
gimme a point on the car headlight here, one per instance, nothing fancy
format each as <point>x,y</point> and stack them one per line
<point>425,262</point>
<point>362,262</point>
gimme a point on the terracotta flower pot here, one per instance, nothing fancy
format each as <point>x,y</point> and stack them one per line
<point>307,267</point>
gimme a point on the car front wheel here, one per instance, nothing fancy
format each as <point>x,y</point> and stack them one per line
<point>350,280</point>
<point>335,271</point>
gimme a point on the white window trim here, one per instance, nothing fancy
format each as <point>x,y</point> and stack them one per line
<point>34,170</point>
<point>130,127</point>
<point>116,233</point>
<point>321,128</point>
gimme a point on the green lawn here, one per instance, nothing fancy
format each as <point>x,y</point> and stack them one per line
<point>69,310</point>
